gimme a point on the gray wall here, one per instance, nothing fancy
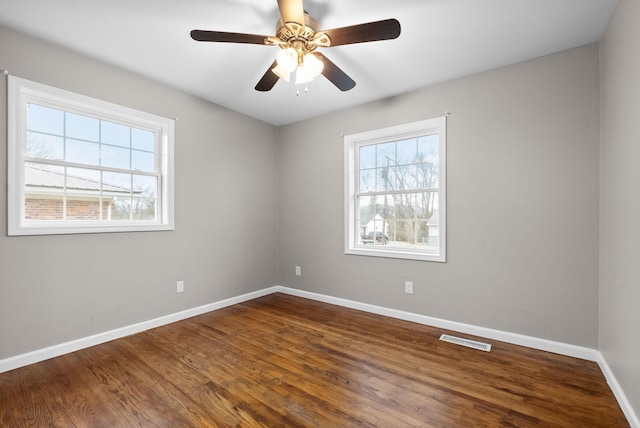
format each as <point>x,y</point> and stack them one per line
<point>522,202</point>
<point>620,204</point>
<point>58,288</point>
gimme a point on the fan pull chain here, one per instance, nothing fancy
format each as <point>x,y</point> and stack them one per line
<point>306,89</point>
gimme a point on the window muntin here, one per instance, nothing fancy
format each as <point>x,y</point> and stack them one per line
<point>77,164</point>
<point>395,199</point>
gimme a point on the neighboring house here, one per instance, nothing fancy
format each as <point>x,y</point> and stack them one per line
<point>46,192</point>
<point>372,223</point>
<point>434,229</point>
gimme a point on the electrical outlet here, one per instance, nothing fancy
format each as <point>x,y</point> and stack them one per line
<point>298,271</point>
<point>179,286</point>
<point>408,287</point>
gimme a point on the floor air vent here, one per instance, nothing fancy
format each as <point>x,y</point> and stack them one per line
<point>466,342</point>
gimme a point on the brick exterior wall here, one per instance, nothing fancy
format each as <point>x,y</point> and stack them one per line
<point>51,209</point>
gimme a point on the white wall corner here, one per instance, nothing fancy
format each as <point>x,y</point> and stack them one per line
<point>625,405</point>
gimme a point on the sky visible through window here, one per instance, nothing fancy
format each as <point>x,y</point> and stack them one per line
<point>396,165</point>
<point>63,136</point>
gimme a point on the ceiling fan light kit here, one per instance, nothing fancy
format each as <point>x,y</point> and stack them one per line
<point>298,36</point>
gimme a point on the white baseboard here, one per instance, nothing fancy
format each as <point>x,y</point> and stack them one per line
<point>107,336</point>
<point>503,336</point>
<point>632,418</point>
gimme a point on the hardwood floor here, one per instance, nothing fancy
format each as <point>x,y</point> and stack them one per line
<point>283,361</point>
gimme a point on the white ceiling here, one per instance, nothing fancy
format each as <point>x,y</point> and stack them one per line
<point>440,40</point>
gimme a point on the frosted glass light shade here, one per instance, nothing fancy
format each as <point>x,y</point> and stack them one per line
<point>302,76</point>
<point>287,59</point>
<point>281,73</point>
<point>310,69</point>
<point>313,66</point>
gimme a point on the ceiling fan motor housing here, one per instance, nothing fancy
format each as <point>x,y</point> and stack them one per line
<point>303,38</point>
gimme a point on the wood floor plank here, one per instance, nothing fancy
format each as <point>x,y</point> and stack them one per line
<point>283,361</point>
<point>272,369</point>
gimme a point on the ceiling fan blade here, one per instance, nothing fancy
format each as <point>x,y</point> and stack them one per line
<point>335,74</point>
<point>291,11</point>
<point>222,36</point>
<point>268,80</point>
<point>370,32</point>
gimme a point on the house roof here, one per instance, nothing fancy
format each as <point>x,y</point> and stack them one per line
<point>43,176</point>
<point>366,216</point>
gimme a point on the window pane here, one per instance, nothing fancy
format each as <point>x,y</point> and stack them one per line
<point>85,180</point>
<point>44,119</point>
<point>405,209</point>
<point>406,176</point>
<point>44,190</point>
<point>367,156</point>
<point>145,186</point>
<point>428,148</point>
<point>115,134</point>
<point>144,209</point>
<point>407,151</point>
<point>82,152</point>
<point>385,179</point>
<point>367,180</point>
<point>404,233</point>
<point>44,146</point>
<point>117,183</point>
<point>142,161</point>
<point>425,205</point>
<point>82,127</point>
<point>143,140</point>
<point>388,209</point>
<point>83,194</point>
<point>386,154</point>
<point>115,157</point>
<point>119,208</point>
<point>365,215</point>
<point>427,175</point>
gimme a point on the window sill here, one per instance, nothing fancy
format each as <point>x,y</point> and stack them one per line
<point>66,229</point>
<point>396,254</point>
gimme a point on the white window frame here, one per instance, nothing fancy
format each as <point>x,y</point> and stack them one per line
<point>22,92</point>
<point>352,143</point>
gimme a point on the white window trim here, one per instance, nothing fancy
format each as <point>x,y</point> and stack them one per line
<point>351,229</point>
<point>23,91</point>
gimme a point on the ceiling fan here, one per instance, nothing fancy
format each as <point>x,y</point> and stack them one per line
<point>298,36</point>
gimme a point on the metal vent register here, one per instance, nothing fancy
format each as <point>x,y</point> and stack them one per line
<point>466,342</point>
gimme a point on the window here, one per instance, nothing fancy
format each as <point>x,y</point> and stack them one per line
<point>80,165</point>
<point>395,191</point>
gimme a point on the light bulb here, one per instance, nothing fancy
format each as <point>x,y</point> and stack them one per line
<point>288,59</point>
